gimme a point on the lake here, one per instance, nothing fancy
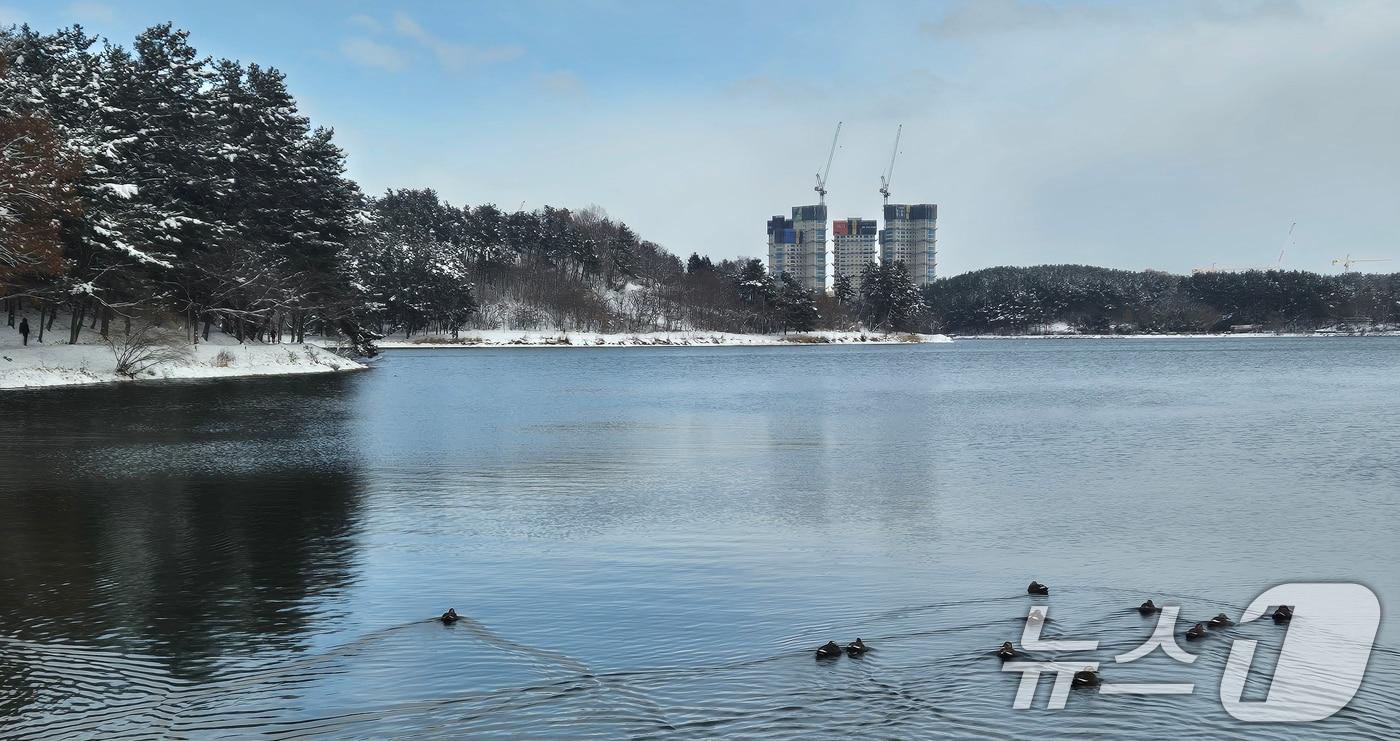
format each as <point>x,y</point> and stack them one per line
<point>650,542</point>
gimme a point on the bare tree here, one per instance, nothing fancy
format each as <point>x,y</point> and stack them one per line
<point>148,344</point>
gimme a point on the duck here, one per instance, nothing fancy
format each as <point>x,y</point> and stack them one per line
<point>1283,614</point>
<point>1086,677</point>
<point>830,651</point>
<point>1221,621</point>
<point>1035,616</point>
<point>450,616</point>
<point>1007,651</point>
<point>1197,632</point>
<point>1147,608</point>
<point>1037,588</point>
<point>857,648</point>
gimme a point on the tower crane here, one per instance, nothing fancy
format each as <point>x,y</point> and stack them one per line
<point>1348,261</point>
<point>1291,243</point>
<point>889,174</point>
<point>821,176</point>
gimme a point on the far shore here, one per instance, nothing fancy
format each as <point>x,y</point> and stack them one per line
<point>1166,336</point>
<point>498,338</point>
<point>513,338</point>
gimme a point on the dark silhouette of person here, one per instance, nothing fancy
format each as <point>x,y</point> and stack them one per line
<point>24,329</point>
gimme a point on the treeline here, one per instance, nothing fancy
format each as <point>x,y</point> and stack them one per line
<point>1100,300</point>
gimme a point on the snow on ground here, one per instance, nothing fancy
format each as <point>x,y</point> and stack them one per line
<point>56,363</point>
<point>521,338</point>
<point>1182,336</point>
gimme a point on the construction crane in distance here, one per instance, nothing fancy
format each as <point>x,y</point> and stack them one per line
<point>1348,261</point>
<point>1278,264</point>
<point>821,176</point>
<point>1291,243</point>
<point>889,174</point>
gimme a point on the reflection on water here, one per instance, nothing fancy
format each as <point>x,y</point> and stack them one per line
<point>650,541</point>
<point>151,535</point>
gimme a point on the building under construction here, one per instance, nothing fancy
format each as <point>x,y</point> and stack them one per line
<point>910,236</point>
<point>854,244</point>
<point>797,246</point>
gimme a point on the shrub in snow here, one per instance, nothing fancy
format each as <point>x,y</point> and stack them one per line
<point>147,345</point>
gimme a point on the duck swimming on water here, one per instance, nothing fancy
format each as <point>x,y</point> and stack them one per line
<point>1283,614</point>
<point>1197,632</point>
<point>857,648</point>
<point>830,651</point>
<point>450,616</point>
<point>1085,677</point>
<point>1007,651</point>
<point>1221,621</point>
<point>1147,608</point>
<point>1037,588</point>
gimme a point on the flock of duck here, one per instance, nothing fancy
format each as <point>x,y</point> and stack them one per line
<point>1083,678</point>
<point>831,650</point>
<point>1089,677</point>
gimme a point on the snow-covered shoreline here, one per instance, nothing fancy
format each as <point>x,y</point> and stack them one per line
<point>515,338</point>
<point>1190,336</point>
<point>41,366</point>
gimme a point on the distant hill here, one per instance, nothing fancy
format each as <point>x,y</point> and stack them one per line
<point>1083,298</point>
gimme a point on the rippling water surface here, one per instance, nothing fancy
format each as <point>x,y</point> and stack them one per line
<point>650,542</point>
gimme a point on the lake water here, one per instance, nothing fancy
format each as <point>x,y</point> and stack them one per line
<point>651,541</point>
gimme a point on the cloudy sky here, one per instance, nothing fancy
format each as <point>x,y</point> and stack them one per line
<point>1164,135</point>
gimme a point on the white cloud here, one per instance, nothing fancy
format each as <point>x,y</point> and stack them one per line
<point>366,23</point>
<point>971,19</point>
<point>1153,135</point>
<point>90,12</point>
<point>369,53</point>
<point>454,56</point>
<point>562,82</point>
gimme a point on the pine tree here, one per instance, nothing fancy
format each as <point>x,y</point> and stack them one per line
<point>889,299</point>
<point>798,306</point>
<point>843,290</point>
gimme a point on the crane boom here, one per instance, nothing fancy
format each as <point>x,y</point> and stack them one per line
<point>1348,261</point>
<point>889,174</point>
<point>821,176</point>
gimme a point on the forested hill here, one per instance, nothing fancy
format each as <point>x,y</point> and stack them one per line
<point>1100,300</point>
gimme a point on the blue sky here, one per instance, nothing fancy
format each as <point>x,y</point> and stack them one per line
<point>1134,135</point>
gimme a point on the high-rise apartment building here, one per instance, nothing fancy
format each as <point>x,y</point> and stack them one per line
<point>911,236</point>
<point>797,246</point>
<point>854,244</point>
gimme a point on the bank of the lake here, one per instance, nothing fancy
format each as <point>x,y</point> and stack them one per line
<point>1178,336</point>
<point>683,338</point>
<point>38,366</point>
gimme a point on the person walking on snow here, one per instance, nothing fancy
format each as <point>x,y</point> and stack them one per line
<point>24,329</point>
